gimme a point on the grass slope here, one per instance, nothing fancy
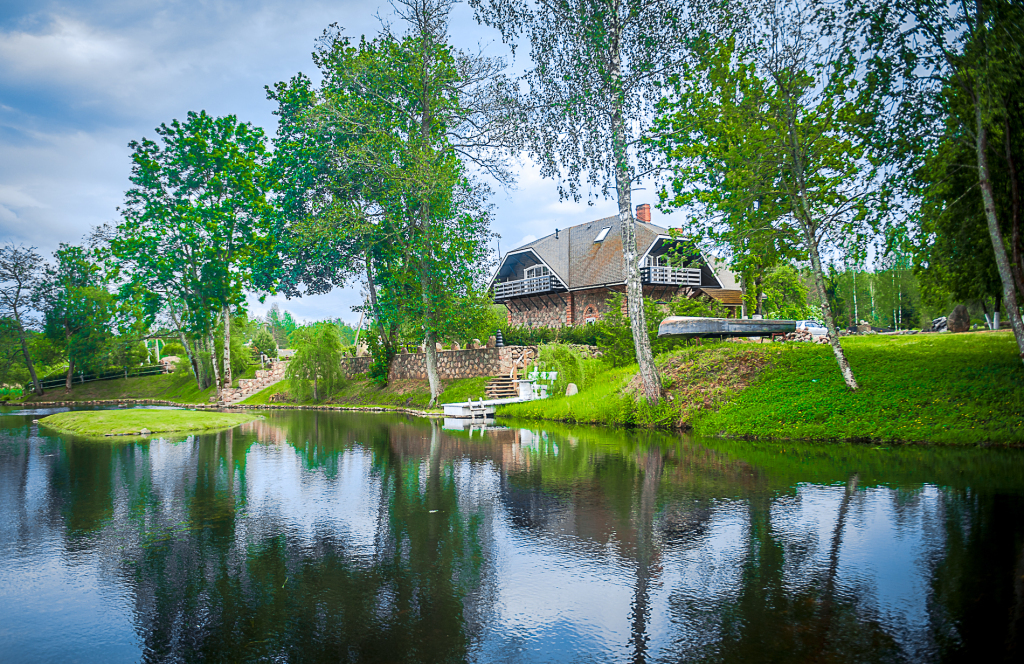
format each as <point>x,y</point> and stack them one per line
<point>399,394</point>
<point>104,422</point>
<point>942,388</point>
<point>170,387</point>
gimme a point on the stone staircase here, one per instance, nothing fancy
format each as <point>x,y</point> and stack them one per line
<point>249,386</point>
<point>501,387</point>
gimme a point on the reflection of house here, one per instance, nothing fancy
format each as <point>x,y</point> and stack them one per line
<point>567,277</point>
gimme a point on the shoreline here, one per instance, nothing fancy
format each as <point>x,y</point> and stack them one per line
<point>195,406</point>
<point>857,440</point>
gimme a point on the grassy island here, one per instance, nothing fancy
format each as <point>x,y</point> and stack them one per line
<point>136,420</point>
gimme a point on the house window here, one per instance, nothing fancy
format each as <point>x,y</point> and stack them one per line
<point>590,315</point>
<point>602,234</point>
<point>656,261</point>
<point>537,271</point>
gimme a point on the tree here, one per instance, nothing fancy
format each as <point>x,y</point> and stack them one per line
<point>19,271</point>
<point>76,309</point>
<point>766,133</point>
<point>598,65</point>
<point>381,147</point>
<point>196,226</point>
<point>316,366</point>
<point>264,343</point>
<point>953,71</point>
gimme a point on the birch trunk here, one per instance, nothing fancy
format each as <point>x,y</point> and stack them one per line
<point>623,191</point>
<point>227,348</point>
<point>826,310</point>
<point>1002,260</point>
<point>213,363</point>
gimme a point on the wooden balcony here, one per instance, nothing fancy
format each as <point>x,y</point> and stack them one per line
<point>670,276</point>
<point>525,287</point>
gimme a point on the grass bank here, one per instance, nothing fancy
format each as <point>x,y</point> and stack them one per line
<point>939,388</point>
<point>361,391</point>
<point>134,421</point>
<point>179,388</point>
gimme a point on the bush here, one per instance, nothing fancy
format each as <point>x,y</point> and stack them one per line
<point>571,366</point>
<point>264,343</point>
<point>173,348</point>
<point>316,367</point>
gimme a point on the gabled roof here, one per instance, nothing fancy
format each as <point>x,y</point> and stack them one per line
<point>581,262</point>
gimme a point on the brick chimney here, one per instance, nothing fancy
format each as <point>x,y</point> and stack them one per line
<point>643,213</point>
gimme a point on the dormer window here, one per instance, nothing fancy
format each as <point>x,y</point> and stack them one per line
<point>537,271</point>
<point>602,234</point>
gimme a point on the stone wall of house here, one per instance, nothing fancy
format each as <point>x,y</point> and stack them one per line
<point>551,310</point>
<point>352,366</point>
<point>467,363</point>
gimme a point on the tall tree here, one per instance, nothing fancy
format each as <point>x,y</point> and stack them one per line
<point>196,225</point>
<point>392,198</point>
<point>767,131</point>
<point>19,272</point>
<point>76,308</point>
<point>598,66</point>
<point>953,71</point>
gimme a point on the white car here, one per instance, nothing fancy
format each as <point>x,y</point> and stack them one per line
<point>812,326</point>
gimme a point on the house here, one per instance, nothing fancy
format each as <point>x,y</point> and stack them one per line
<point>567,277</point>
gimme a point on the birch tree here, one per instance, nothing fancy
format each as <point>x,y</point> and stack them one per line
<point>597,68</point>
<point>770,123</point>
<point>952,69</point>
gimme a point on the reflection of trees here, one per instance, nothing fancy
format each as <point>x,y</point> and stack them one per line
<point>208,583</point>
<point>977,588</point>
<point>214,577</point>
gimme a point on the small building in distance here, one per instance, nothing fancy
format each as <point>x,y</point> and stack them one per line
<point>567,277</point>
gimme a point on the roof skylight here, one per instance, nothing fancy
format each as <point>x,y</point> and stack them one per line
<point>600,236</point>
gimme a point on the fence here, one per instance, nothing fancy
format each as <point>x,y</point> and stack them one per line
<point>89,378</point>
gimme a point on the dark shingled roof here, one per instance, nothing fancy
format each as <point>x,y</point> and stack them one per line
<point>583,263</point>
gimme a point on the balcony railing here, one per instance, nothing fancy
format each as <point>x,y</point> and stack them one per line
<point>672,276</point>
<point>521,287</point>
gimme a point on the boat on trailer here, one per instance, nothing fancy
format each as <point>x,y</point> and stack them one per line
<point>695,327</point>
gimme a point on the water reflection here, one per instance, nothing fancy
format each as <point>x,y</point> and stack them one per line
<point>320,536</point>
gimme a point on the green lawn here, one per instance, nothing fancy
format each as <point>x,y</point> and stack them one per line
<point>171,387</point>
<point>941,388</point>
<point>118,422</point>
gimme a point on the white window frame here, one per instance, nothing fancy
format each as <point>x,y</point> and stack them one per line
<point>603,234</point>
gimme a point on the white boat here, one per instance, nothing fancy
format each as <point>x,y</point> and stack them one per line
<point>694,327</point>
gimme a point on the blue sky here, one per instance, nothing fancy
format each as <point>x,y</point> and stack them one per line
<point>79,80</point>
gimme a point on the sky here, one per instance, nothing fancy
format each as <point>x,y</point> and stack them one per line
<point>81,79</point>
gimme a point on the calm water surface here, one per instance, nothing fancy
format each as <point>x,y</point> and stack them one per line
<point>335,537</point>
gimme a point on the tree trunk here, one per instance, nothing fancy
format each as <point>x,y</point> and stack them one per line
<point>189,352</point>
<point>37,388</point>
<point>213,363</point>
<point>227,348</point>
<point>757,294</point>
<point>1002,261</point>
<point>1011,168</point>
<point>70,375</point>
<point>623,190</point>
<point>826,309</point>
<point>371,285</point>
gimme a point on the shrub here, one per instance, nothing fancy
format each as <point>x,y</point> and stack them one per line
<point>316,367</point>
<point>173,348</point>
<point>264,343</point>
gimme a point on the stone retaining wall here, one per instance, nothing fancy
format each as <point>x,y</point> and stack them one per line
<point>469,363</point>
<point>353,366</point>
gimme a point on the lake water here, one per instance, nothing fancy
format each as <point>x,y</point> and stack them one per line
<point>318,536</point>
